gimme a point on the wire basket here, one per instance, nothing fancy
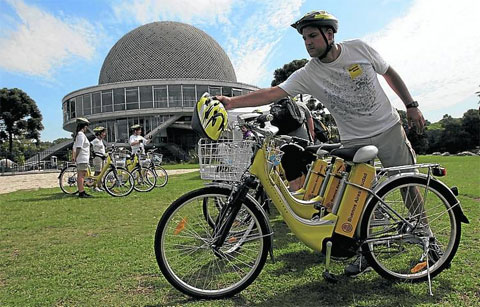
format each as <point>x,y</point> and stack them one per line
<point>224,160</point>
<point>120,159</point>
<point>144,160</point>
<point>156,158</point>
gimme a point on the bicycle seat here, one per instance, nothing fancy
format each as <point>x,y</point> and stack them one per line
<point>356,154</point>
<point>327,147</point>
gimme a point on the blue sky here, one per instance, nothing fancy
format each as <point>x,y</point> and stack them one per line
<point>49,48</point>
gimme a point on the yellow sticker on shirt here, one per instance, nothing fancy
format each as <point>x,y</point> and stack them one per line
<point>355,70</point>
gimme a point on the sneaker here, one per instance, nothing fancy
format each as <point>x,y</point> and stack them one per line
<point>97,189</point>
<point>357,267</point>
<point>84,195</point>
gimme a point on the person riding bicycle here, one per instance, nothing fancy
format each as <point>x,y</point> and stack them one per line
<point>137,141</point>
<point>343,76</point>
<point>81,154</point>
<point>99,153</point>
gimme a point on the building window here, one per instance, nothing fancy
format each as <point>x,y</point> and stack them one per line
<point>78,106</point>
<point>132,98</point>
<point>237,92</point>
<point>107,101</point>
<point>111,131</point>
<point>87,104</point>
<point>97,103</point>
<point>122,131</point>
<point>160,97</point>
<point>215,90</point>
<point>119,99</point>
<point>227,91</point>
<point>65,111</point>
<point>174,96</point>
<point>189,98</point>
<point>201,89</point>
<point>146,97</point>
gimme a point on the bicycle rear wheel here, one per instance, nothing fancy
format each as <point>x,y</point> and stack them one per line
<point>144,179</point>
<point>397,252</point>
<point>187,259</point>
<point>68,180</point>
<point>118,182</point>
<point>162,176</point>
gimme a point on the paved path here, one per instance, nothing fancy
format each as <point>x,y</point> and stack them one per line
<point>35,181</point>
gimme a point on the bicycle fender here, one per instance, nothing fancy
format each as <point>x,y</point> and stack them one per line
<point>447,192</point>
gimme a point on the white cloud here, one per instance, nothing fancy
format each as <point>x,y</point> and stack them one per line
<point>189,11</point>
<point>435,48</point>
<point>254,37</point>
<point>41,42</point>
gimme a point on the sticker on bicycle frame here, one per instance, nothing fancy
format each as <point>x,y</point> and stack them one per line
<point>180,227</point>
<point>355,70</point>
<point>347,227</point>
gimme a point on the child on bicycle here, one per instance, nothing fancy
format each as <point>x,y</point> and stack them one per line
<point>99,153</point>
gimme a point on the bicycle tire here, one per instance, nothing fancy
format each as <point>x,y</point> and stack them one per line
<point>162,176</point>
<point>404,259</point>
<point>144,179</point>
<point>191,265</point>
<point>68,180</point>
<point>118,185</point>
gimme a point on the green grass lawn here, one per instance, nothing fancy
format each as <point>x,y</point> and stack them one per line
<point>59,250</point>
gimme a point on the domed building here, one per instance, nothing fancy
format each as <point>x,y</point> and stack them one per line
<point>153,76</point>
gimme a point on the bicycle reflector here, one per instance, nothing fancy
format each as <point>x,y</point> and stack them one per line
<point>439,171</point>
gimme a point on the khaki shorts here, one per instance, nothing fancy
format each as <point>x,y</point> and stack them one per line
<point>394,149</point>
<point>98,164</point>
<point>82,166</point>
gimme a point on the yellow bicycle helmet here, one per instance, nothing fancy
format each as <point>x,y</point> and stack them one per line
<point>209,117</point>
<point>317,19</point>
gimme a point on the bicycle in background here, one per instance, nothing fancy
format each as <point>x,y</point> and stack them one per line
<point>115,178</point>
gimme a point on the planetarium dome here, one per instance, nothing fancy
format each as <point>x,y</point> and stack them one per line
<point>166,50</point>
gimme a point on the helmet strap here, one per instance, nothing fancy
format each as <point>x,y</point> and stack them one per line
<point>329,46</point>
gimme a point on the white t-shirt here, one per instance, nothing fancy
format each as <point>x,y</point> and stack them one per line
<point>138,148</point>
<point>350,90</point>
<point>82,142</point>
<point>98,146</point>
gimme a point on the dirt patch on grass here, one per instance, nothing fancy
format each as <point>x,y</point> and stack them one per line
<point>35,181</point>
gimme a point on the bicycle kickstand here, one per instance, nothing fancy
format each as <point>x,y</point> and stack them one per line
<point>426,244</point>
<point>326,274</point>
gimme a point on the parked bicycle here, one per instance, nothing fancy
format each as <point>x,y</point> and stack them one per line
<point>156,165</point>
<point>404,220</point>
<point>115,178</point>
<point>143,176</point>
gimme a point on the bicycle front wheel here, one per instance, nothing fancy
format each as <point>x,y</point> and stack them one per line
<point>118,182</point>
<point>68,180</point>
<point>144,179</point>
<point>162,176</point>
<point>186,255</point>
<point>399,252</point>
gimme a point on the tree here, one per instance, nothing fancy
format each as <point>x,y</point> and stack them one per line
<point>281,74</point>
<point>19,116</point>
<point>471,125</point>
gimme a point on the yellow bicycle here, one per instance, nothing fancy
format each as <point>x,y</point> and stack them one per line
<point>144,177</point>
<point>406,223</point>
<point>116,180</point>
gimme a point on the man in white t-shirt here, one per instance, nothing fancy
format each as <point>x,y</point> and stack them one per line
<point>137,141</point>
<point>81,155</point>
<point>343,76</point>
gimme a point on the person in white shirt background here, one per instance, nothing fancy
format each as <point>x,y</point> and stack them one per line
<point>99,153</point>
<point>137,141</point>
<point>81,155</point>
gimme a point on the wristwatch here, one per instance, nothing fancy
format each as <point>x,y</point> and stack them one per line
<point>413,104</point>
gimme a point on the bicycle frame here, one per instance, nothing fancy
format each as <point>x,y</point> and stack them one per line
<point>99,177</point>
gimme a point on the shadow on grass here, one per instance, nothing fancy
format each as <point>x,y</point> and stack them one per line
<point>351,292</point>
